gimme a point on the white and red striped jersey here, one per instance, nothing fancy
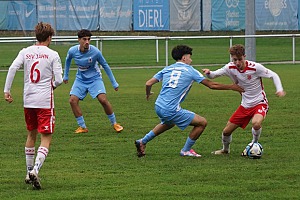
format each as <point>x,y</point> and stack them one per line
<point>250,78</point>
<point>42,72</point>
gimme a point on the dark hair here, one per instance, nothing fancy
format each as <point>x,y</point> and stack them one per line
<point>84,33</point>
<point>180,50</point>
<point>237,50</point>
<point>43,31</point>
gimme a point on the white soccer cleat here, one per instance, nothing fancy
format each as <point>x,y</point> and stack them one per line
<point>220,152</point>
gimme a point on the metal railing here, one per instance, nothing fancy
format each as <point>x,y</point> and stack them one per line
<point>99,40</point>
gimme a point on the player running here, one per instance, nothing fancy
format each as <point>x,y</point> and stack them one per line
<point>254,105</point>
<point>177,80</point>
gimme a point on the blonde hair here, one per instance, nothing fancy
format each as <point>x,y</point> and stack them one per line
<point>43,31</point>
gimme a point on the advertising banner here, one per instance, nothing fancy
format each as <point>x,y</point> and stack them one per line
<point>185,15</point>
<point>276,14</point>
<point>22,15</point>
<point>115,15</point>
<point>151,15</point>
<point>228,15</point>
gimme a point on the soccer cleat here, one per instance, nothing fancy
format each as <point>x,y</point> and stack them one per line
<point>140,148</point>
<point>35,180</point>
<point>118,127</point>
<point>190,153</point>
<point>220,152</point>
<point>81,130</point>
<point>27,179</point>
<point>244,153</point>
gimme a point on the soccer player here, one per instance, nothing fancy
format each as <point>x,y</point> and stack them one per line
<point>42,74</point>
<point>89,79</point>
<point>254,105</point>
<point>177,80</point>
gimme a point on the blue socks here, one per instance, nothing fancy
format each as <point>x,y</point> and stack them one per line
<point>112,118</point>
<point>80,121</point>
<point>148,137</point>
<point>188,144</point>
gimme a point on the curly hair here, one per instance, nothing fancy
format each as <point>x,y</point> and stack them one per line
<point>43,31</point>
<point>237,50</point>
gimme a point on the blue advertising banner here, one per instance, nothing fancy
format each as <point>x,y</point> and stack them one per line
<point>151,15</point>
<point>115,15</point>
<point>3,15</point>
<point>228,15</point>
<point>82,14</point>
<point>22,15</point>
<point>185,15</point>
<point>46,12</point>
<point>276,14</point>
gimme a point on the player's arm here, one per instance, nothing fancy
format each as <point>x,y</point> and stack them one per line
<point>17,63</point>
<point>108,71</point>
<point>67,67</point>
<point>149,84</point>
<point>267,73</point>
<point>214,74</point>
<point>219,86</point>
<point>57,72</point>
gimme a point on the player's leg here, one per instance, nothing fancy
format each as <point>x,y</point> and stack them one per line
<point>257,120</point>
<point>97,90</point>
<point>31,125</point>
<point>199,124</point>
<point>46,125</point>
<point>102,98</point>
<point>78,92</point>
<point>30,153</point>
<point>227,137</point>
<point>157,130</point>
<point>240,118</point>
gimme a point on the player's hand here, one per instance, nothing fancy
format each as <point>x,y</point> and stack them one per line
<point>280,93</point>
<point>237,88</point>
<point>66,81</point>
<point>8,97</point>
<point>117,88</point>
<point>148,95</point>
<point>206,71</point>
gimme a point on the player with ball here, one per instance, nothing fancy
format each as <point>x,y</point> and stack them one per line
<point>254,105</point>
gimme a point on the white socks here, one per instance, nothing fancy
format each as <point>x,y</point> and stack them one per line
<point>226,140</point>
<point>40,158</point>
<point>29,154</point>
<point>256,134</point>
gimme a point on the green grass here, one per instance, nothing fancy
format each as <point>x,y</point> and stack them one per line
<point>103,164</point>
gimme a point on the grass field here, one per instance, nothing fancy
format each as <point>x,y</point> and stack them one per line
<point>103,164</point>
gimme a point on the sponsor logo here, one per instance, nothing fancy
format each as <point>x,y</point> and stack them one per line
<point>232,3</point>
<point>275,6</point>
<point>27,14</point>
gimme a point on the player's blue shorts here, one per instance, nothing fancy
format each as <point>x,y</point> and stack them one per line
<point>80,88</point>
<point>181,118</point>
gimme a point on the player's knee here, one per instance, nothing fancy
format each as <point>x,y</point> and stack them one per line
<point>256,125</point>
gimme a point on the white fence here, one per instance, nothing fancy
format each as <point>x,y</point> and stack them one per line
<point>100,39</point>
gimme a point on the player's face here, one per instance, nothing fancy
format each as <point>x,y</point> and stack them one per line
<point>239,61</point>
<point>187,59</point>
<point>84,43</point>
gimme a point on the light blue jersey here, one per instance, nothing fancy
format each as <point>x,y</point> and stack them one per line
<point>88,69</point>
<point>177,80</point>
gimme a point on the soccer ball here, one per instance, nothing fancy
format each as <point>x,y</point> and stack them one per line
<point>253,150</point>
